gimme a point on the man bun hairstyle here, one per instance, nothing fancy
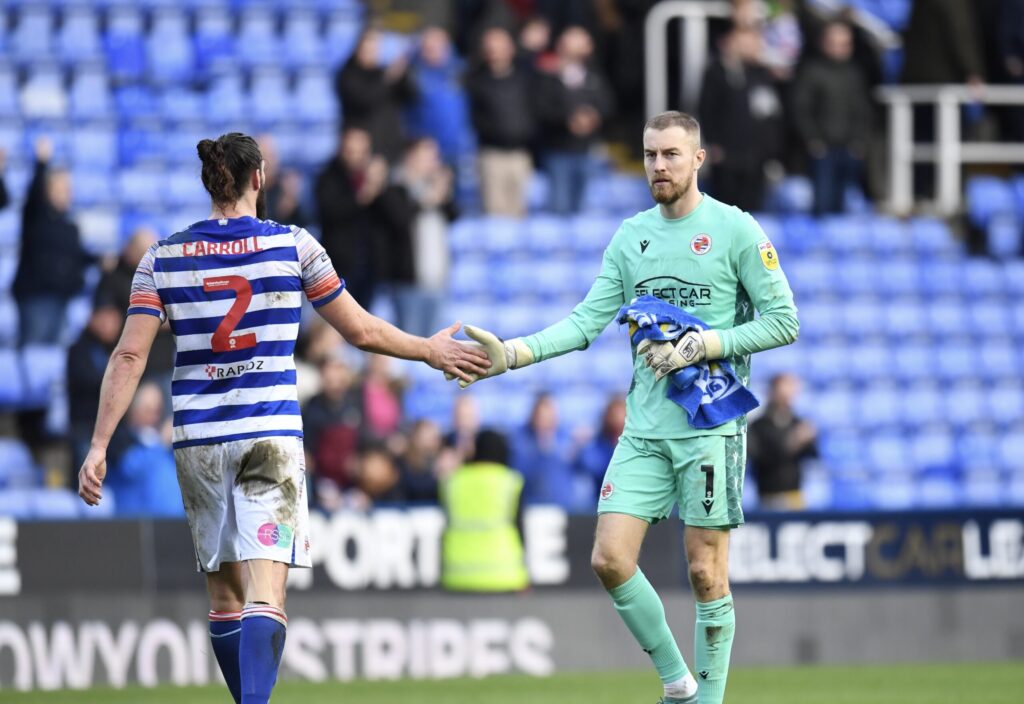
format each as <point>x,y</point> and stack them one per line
<point>228,162</point>
<point>674,118</point>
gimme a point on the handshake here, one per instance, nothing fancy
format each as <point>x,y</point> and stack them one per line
<point>663,358</point>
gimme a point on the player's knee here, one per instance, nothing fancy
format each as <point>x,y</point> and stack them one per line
<point>706,579</point>
<point>610,567</point>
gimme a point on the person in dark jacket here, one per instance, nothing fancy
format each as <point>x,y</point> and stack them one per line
<point>778,442</point>
<point>87,361</point>
<point>572,103</point>
<point>51,269</point>
<point>372,96</point>
<point>502,114</point>
<point>941,44</point>
<point>832,111</point>
<point>741,119</point>
<point>348,194</point>
<point>1010,47</point>
<point>115,287</point>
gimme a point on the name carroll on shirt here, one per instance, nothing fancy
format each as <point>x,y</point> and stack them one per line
<point>201,248</point>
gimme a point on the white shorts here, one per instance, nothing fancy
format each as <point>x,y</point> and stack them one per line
<point>246,500</point>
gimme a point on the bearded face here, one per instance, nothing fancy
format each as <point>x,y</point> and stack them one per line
<point>261,202</point>
<point>671,159</point>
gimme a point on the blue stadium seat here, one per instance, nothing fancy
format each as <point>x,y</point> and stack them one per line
<point>42,95</point>
<point>956,360</point>
<point>314,99</point>
<point>16,503</point>
<point>845,234</point>
<point>983,487</point>
<point>879,405</point>
<point>966,403</point>
<point>868,361</point>
<point>1005,232</point>
<point>938,490</point>
<point>301,39</point>
<point>922,403</point>
<point>860,317</point>
<point>905,318</point>
<point>546,234</point>
<point>17,468</point>
<point>55,504</point>
<point>977,448</point>
<point>781,359</point>
<point>94,146</point>
<point>794,194</point>
<point>141,186</point>
<point>999,359</point>
<point>811,277</point>
<point>90,95</point>
<point>834,408</point>
<point>214,41</point>
<point>99,229</point>
<point>8,93</point>
<point>93,186</point>
<point>857,277</point>
<point>137,101</point>
<point>124,44</point>
<point>79,36</point>
<point>826,363</point>
<point>1012,278</point>
<point>933,236</point>
<point>1016,313</point>
<point>181,104</point>
<point>268,95</point>
<point>898,277</point>
<point>43,367</point>
<point>591,233</point>
<point>343,29</point>
<point>1005,402</point>
<point>887,236</point>
<point>989,317</point>
<point>1011,451</point>
<point>948,316</point>
<point>225,99</point>
<point>320,142</point>
<point>32,37</point>
<point>257,30</point>
<point>934,448</point>
<point>8,325</point>
<point>914,361</point>
<point>185,188</point>
<point>889,453</point>
<point>981,277</point>
<point>818,320</point>
<point>988,196</point>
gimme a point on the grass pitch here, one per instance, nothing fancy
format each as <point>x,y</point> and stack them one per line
<point>988,683</point>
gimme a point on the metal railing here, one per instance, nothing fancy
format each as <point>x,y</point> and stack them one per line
<point>949,152</point>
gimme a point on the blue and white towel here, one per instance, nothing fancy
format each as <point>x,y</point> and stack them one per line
<point>709,392</point>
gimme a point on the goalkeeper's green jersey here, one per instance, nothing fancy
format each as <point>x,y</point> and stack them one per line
<point>715,263</point>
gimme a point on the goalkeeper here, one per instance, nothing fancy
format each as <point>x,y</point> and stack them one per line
<point>714,261</point>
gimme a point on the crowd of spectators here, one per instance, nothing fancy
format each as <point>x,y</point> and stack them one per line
<point>520,85</point>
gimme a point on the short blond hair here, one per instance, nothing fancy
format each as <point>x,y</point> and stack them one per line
<point>674,118</point>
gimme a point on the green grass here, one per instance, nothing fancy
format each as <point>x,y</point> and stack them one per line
<point>985,683</point>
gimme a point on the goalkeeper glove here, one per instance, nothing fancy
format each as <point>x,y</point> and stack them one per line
<point>504,354</point>
<point>692,348</point>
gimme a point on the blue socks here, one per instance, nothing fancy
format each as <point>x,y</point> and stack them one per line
<point>262,642</point>
<point>225,634</point>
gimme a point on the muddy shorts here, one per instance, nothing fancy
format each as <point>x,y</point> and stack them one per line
<point>246,500</point>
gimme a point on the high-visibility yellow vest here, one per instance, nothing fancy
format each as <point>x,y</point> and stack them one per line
<point>482,550</point>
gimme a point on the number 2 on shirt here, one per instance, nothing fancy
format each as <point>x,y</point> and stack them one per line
<point>222,339</point>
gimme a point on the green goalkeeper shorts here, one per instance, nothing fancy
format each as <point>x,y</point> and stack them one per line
<point>704,475</point>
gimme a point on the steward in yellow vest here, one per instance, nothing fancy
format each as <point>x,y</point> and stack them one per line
<point>482,550</point>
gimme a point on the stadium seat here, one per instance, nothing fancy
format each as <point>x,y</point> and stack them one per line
<point>977,448</point>
<point>966,403</point>
<point>43,368</point>
<point>922,404</point>
<point>1011,451</point>
<point>55,504</point>
<point>826,363</point>
<point>879,405</point>
<point>546,234</point>
<point>956,361</point>
<point>867,361</point>
<point>169,58</point>
<point>16,503</point>
<point>17,468</point>
<point>137,101</point>
<point>79,36</point>
<point>99,228</point>
<point>1005,402</point>
<point>257,32</point>
<point>1004,235</point>
<point>214,41</point>
<point>43,95</point>
<point>314,99</point>
<point>225,99</point>
<point>591,233</point>
<point>914,361</point>
<point>904,319</point>
<point>180,104</point>
<point>834,408</point>
<point>8,93</point>
<point>948,316</point>
<point>887,236</point>
<point>94,146</point>
<point>931,236</point>
<point>8,319</point>
<point>268,98</point>
<point>301,39</point>
<point>32,36</point>
<point>983,487</point>
<point>343,29</point>
<point>93,186</point>
<point>90,95</point>
<point>988,196</point>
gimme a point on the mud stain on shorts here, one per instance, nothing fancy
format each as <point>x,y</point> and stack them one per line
<point>199,474</point>
<point>269,467</point>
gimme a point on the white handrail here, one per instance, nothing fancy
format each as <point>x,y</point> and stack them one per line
<point>949,152</point>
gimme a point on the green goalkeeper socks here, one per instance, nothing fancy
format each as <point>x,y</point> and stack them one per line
<point>641,608</point>
<point>716,625</point>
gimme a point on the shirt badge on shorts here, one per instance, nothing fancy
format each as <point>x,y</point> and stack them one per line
<point>769,257</point>
<point>607,490</point>
<point>700,244</point>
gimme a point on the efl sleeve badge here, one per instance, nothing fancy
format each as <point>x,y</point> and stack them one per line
<point>769,257</point>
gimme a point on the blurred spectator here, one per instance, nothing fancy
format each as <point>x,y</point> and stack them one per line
<point>52,266</point>
<point>542,453</point>
<point>832,111</point>
<point>778,441</point>
<point>534,45</point>
<point>740,115</point>
<point>428,187</point>
<point>441,110</point>
<point>316,343</point>
<point>1011,52</point>
<point>87,361</point>
<point>465,426</point>
<point>377,475</point>
<point>381,397</point>
<point>418,464</point>
<point>500,106</point>
<point>144,481</point>
<point>282,188</point>
<point>783,39</point>
<point>572,103</point>
<point>372,95</point>
<point>482,549</point>
<point>348,191</point>
<point>622,35</point>
<point>941,44</point>
<point>115,288</point>
<point>331,423</point>
<point>5,198</point>
<point>594,457</point>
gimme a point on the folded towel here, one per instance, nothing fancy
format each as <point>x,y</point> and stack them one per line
<point>709,392</point>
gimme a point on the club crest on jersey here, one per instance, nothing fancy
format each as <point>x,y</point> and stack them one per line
<point>700,244</point>
<point>200,248</point>
<point>607,490</point>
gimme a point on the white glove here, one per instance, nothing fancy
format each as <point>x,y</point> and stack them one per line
<point>692,348</point>
<point>504,355</point>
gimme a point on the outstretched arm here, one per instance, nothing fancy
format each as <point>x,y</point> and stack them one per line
<point>120,381</point>
<point>370,333</point>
